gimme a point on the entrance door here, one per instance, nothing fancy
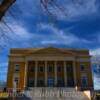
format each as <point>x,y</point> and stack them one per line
<point>70,75</point>
<point>50,82</point>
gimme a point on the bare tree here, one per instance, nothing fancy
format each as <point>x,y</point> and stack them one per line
<point>47,4</point>
<point>5,6</point>
<point>57,7</point>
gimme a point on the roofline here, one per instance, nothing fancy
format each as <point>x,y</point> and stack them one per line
<point>83,49</point>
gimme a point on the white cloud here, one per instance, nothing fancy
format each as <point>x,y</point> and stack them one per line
<point>15,35</point>
<point>61,10</point>
<point>84,7</point>
<point>96,82</point>
<point>59,36</point>
<point>21,35</point>
<point>95,52</point>
<point>14,30</point>
<point>74,8</point>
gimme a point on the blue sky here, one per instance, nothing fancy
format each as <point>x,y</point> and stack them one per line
<point>74,25</point>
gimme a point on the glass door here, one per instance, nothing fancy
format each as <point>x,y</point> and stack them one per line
<point>50,82</point>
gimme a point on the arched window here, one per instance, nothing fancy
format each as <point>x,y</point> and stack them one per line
<point>17,68</point>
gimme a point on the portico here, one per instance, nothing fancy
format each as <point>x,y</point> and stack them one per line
<point>51,73</point>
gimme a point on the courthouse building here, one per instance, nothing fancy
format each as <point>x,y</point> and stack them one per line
<point>49,67</point>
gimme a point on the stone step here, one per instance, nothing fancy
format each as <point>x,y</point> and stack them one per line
<point>55,94</point>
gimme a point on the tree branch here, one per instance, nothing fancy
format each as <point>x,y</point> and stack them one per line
<point>5,5</point>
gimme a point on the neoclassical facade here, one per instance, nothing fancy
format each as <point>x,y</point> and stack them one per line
<point>49,67</point>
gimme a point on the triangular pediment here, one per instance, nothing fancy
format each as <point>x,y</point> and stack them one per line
<point>52,51</point>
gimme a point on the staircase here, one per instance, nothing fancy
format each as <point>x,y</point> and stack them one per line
<point>55,94</point>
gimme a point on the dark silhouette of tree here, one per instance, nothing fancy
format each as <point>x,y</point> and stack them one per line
<point>5,4</point>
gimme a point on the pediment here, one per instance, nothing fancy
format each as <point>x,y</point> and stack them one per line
<point>52,51</point>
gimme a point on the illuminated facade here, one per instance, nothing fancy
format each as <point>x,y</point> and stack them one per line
<point>50,67</point>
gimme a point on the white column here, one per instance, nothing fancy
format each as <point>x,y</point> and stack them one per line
<point>46,73</point>
<point>36,71</point>
<point>55,70</point>
<point>74,71</point>
<point>65,74</point>
<point>25,77</point>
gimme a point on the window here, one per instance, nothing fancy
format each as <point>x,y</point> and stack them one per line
<point>84,81</point>
<point>17,68</point>
<point>59,68</point>
<point>40,83</point>
<point>31,82</point>
<point>82,67</point>
<point>31,68</point>
<point>50,68</point>
<point>69,68</point>
<point>41,69</point>
<point>50,81</point>
<point>60,82</point>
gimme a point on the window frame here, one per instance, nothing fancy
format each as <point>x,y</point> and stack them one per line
<point>31,69</point>
<point>17,68</point>
<point>39,68</point>
<point>82,69</point>
<point>59,70</point>
<point>41,82</point>
<point>60,82</point>
<point>31,82</point>
<point>50,69</point>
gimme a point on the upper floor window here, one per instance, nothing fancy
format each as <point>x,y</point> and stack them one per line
<point>50,68</point>
<point>59,68</point>
<point>31,68</point>
<point>41,69</point>
<point>69,68</point>
<point>17,68</point>
<point>82,67</point>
